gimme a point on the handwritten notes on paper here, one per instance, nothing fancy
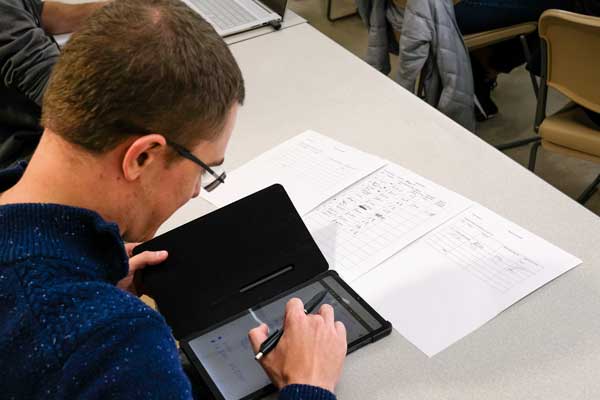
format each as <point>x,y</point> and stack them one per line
<point>377,217</point>
<point>468,244</point>
<point>460,276</point>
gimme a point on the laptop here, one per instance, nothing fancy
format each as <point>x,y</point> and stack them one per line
<point>229,17</point>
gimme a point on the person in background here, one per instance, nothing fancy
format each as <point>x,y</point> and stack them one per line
<point>27,54</point>
<point>140,81</point>
<point>589,7</point>
<point>475,16</point>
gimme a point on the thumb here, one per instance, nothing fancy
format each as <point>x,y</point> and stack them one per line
<point>147,258</point>
<point>258,335</point>
<point>129,248</point>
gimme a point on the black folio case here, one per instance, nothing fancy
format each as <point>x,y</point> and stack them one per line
<point>241,257</point>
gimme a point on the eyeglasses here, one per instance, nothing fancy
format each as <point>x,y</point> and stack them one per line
<point>211,177</point>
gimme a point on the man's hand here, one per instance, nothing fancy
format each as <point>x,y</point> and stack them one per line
<point>311,350</point>
<point>138,262</point>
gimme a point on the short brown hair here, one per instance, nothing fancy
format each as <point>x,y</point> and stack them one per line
<point>142,66</point>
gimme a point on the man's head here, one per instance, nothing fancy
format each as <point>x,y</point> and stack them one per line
<point>138,75</point>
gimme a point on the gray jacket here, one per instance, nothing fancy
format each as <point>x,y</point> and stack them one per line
<point>381,39</point>
<point>431,46</point>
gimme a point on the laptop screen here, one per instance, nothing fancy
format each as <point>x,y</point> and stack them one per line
<point>277,6</point>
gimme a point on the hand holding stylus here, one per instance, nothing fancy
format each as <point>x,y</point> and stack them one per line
<point>311,350</point>
<point>270,343</point>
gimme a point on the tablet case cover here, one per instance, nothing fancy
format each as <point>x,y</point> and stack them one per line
<point>230,260</point>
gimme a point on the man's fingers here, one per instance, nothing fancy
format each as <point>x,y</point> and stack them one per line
<point>340,328</point>
<point>326,311</point>
<point>258,335</point>
<point>147,258</point>
<point>293,309</point>
<point>129,248</point>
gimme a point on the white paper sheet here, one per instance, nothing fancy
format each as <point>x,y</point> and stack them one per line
<point>311,167</point>
<point>62,39</point>
<point>375,218</point>
<point>459,276</point>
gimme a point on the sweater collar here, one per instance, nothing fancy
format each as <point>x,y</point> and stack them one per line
<point>79,236</point>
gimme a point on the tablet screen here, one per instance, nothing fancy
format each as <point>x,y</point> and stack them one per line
<point>227,357</point>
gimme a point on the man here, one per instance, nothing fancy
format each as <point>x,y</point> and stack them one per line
<point>474,16</point>
<point>589,7</point>
<point>140,80</point>
<point>481,15</point>
<point>27,54</point>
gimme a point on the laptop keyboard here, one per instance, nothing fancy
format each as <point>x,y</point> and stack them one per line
<point>225,14</point>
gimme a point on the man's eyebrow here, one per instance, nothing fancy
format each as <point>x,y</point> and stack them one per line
<point>217,163</point>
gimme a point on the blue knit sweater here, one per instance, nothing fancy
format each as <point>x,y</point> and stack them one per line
<point>66,330</point>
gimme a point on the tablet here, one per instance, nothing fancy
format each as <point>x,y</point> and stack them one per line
<point>224,358</point>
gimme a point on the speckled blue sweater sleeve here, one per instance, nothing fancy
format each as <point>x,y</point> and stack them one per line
<point>305,392</point>
<point>129,359</point>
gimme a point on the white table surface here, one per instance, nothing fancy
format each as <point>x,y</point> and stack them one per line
<point>547,346</point>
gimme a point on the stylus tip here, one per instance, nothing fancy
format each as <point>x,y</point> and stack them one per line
<point>258,356</point>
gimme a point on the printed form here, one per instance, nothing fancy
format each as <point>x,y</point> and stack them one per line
<point>378,216</point>
<point>311,167</point>
<point>460,276</point>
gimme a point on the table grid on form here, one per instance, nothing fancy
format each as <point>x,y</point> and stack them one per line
<point>476,251</point>
<point>373,219</point>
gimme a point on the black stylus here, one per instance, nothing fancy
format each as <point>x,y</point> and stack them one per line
<point>270,343</point>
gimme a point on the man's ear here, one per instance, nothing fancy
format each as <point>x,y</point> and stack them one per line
<point>141,153</point>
